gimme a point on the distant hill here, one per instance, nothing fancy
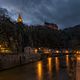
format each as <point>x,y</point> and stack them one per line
<point>73,34</point>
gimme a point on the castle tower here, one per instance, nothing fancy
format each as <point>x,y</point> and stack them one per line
<point>20,20</point>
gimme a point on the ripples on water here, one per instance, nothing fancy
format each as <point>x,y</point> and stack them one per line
<point>57,68</point>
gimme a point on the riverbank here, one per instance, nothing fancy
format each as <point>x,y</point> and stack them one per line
<point>46,69</point>
<point>8,61</point>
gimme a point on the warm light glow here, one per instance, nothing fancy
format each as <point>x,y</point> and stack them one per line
<point>78,58</point>
<point>57,63</point>
<point>49,64</point>
<point>50,67</point>
<point>36,50</point>
<point>57,51</point>
<point>19,19</point>
<point>39,48</point>
<point>2,51</point>
<point>46,51</point>
<point>67,60</point>
<point>5,50</point>
<point>78,52</point>
<point>40,71</point>
<point>66,51</point>
<point>0,46</point>
<point>49,49</point>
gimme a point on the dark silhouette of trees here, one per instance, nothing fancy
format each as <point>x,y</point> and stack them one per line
<point>17,36</point>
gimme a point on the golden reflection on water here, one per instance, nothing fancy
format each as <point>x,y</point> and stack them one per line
<point>49,64</point>
<point>57,63</point>
<point>78,58</point>
<point>67,60</point>
<point>39,70</point>
<point>57,67</point>
<point>50,67</point>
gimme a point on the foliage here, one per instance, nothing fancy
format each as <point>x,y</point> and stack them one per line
<point>18,35</point>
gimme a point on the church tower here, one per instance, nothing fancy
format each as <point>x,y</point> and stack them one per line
<point>20,20</point>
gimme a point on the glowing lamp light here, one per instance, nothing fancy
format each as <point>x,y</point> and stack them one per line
<point>2,48</point>
<point>66,51</point>
<point>57,51</point>
<point>77,52</point>
<point>39,48</point>
<point>36,50</point>
<point>78,58</point>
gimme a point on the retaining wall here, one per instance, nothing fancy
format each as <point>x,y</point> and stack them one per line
<point>12,60</point>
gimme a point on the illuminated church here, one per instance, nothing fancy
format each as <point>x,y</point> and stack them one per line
<point>51,26</point>
<point>20,20</point>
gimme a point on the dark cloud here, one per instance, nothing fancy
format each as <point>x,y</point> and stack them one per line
<point>63,12</point>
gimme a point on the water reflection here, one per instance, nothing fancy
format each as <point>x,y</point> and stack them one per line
<point>47,69</point>
<point>39,70</point>
<point>50,68</point>
<point>78,58</point>
<point>50,64</point>
<point>67,62</point>
<point>57,67</point>
<point>57,63</point>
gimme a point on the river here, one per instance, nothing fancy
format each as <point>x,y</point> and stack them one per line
<point>52,68</point>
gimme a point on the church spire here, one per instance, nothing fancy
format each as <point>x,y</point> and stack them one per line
<point>20,20</point>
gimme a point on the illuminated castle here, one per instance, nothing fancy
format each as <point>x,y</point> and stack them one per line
<point>20,20</point>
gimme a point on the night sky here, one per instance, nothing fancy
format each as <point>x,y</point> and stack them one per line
<point>65,13</point>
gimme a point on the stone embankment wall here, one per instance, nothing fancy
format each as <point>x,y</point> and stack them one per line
<point>13,60</point>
